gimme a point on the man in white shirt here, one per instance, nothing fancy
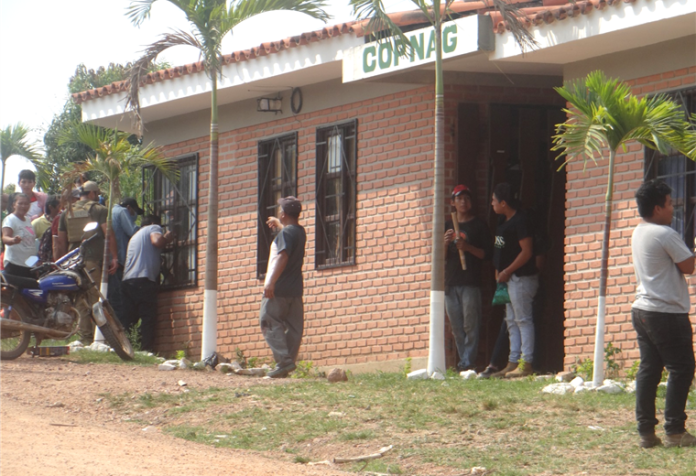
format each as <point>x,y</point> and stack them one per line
<point>661,317</point>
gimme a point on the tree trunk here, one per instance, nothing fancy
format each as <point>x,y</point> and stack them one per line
<point>436,354</point>
<point>598,372</point>
<point>209,338</point>
<point>104,287</point>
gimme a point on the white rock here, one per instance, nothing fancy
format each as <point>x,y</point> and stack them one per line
<point>181,383</point>
<point>437,376</point>
<point>74,344</point>
<point>577,382</point>
<point>478,470</point>
<point>468,374</point>
<point>224,368</point>
<point>565,376</point>
<point>421,374</point>
<point>631,387</point>
<point>558,388</point>
<point>541,378</point>
<point>199,366</point>
<point>235,365</point>
<point>337,414</point>
<point>581,389</point>
<point>175,363</point>
<point>184,363</point>
<point>256,372</point>
<point>166,366</point>
<point>610,388</point>
<point>99,347</point>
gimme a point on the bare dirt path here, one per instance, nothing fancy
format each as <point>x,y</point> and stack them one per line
<point>53,423</point>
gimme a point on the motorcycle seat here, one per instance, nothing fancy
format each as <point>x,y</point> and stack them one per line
<point>20,282</point>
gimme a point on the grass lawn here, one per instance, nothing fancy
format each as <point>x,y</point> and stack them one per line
<point>436,427</point>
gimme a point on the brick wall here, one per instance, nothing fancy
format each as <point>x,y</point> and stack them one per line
<point>376,310</point>
<point>584,230</point>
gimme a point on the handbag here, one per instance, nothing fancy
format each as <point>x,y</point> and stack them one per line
<point>501,295</point>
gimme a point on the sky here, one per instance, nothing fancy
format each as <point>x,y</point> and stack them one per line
<point>43,41</point>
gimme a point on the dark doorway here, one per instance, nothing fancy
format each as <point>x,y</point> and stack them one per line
<point>511,143</point>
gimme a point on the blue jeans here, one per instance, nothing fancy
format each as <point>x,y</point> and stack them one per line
<point>519,317</point>
<point>665,341</point>
<point>463,305</point>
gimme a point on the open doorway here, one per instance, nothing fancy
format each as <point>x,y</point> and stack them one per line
<point>511,143</point>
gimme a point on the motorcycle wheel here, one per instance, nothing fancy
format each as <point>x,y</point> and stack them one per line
<point>115,334</point>
<point>13,343</point>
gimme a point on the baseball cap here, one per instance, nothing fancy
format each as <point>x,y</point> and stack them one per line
<point>290,205</point>
<point>90,186</point>
<point>75,193</point>
<point>460,189</point>
<point>130,202</point>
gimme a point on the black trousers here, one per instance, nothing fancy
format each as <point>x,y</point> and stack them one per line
<point>665,341</point>
<point>140,302</point>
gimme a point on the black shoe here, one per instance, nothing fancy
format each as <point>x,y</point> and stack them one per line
<point>281,372</point>
<point>490,370</point>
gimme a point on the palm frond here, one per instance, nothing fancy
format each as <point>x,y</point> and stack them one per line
<point>139,11</point>
<point>604,113</point>
<point>140,68</point>
<point>14,140</point>
<point>380,23</point>
<point>516,20</point>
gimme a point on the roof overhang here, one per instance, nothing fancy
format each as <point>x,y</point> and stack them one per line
<point>264,76</point>
<point>612,29</point>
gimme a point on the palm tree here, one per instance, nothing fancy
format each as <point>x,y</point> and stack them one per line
<point>112,156</point>
<point>14,141</point>
<point>435,12</point>
<point>604,114</point>
<point>211,21</point>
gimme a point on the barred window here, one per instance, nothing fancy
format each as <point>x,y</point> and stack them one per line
<point>175,202</point>
<point>277,179</point>
<point>336,195</point>
<point>679,173</point>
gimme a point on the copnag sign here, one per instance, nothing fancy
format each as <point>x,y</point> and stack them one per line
<point>459,37</point>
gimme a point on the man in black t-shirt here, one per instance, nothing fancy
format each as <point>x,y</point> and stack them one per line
<point>282,311</point>
<point>462,287</point>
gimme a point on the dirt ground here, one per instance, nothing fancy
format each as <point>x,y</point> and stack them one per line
<point>52,424</point>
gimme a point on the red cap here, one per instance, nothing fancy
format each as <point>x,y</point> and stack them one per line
<point>459,189</point>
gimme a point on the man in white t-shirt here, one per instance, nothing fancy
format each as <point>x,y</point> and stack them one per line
<point>661,317</point>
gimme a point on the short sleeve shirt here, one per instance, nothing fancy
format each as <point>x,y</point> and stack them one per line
<point>478,235</point>
<point>507,244</point>
<point>19,253</point>
<point>94,250</point>
<point>143,258</point>
<point>291,240</point>
<point>661,286</point>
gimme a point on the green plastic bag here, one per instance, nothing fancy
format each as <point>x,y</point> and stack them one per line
<point>501,295</point>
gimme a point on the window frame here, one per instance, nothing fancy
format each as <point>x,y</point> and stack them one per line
<point>652,159</point>
<point>347,215</point>
<point>265,203</point>
<point>156,207</point>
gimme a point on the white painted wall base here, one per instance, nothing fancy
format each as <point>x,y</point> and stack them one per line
<point>436,349</point>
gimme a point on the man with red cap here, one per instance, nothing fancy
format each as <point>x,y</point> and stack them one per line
<point>463,286</point>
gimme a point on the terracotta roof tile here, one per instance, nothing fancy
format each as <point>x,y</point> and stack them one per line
<point>549,12</point>
<point>554,10</point>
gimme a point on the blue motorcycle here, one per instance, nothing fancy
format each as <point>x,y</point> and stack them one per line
<point>48,307</point>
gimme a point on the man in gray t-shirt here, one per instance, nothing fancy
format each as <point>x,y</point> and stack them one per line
<point>660,316</point>
<point>141,278</point>
<point>282,310</point>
